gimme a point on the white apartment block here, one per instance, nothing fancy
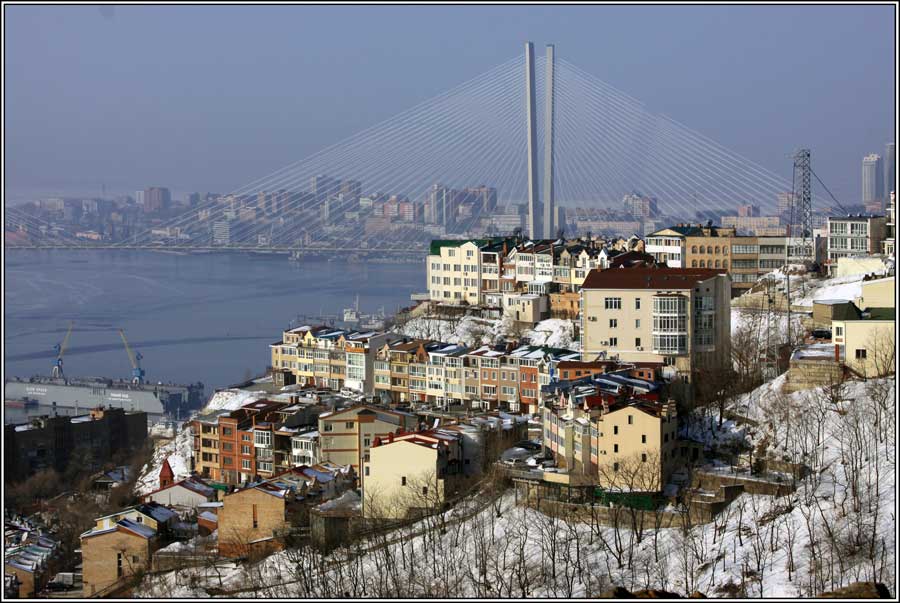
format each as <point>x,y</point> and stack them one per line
<point>854,235</point>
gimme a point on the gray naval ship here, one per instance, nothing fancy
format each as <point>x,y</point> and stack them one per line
<point>37,396</point>
<point>59,395</point>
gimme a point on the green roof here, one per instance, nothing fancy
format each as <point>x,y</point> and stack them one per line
<point>437,244</point>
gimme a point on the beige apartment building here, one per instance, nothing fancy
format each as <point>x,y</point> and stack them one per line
<point>411,472</point>
<point>626,444</point>
<point>680,317</point>
<point>854,236</point>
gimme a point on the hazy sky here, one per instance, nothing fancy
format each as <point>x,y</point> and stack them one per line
<point>210,98</point>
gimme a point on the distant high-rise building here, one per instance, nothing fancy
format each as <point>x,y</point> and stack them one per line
<point>748,211</point>
<point>321,186</point>
<point>872,179</point>
<point>157,198</point>
<point>139,197</point>
<point>221,232</point>
<point>193,199</point>
<point>351,189</point>
<point>784,202</point>
<point>890,169</point>
<point>639,206</point>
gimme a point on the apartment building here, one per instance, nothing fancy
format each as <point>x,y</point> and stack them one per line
<point>401,370</point>
<point>617,443</point>
<point>346,435</point>
<point>679,317</point>
<point>320,355</point>
<point>763,226</point>
<point>854,236</point>
<point>454,271</point>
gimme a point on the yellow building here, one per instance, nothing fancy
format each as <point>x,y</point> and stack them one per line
<point>412,472</point>
<point>636,446</point>
<point>626,445</point>
<point>677,317</point>
<point>867,345</point>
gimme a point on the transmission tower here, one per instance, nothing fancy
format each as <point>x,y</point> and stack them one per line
<point>770,369</point>
<point>801,208</point>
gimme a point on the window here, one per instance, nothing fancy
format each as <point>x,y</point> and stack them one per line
<point>615,429</point>
<point>643,457</point>
<point>693,263</point>
<point>424,490</point>
<point>643,439</point>
<point>666,438</point>
<point>631,419</point>
<point>615,448</point>
<point>226,431</point>
<point>613,323</point>
<point>615,466</point>
<point>637,323</point>
<point>366,441</point>
<point>367,470</point>
<point>613,342</point>
<point>612,303</point>
<point>255,518</point>
<point>860,354</point>
<point>839,331</point>
<point>246,464</point>
<point>263,438</point>
<point>349,424</point>
<point>403,481</point>
<point>637,342</point>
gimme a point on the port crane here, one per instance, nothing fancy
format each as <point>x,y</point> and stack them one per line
<point>137,373</point>
<point>60,349</point>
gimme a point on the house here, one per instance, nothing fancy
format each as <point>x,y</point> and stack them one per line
<point>29,556</point>
<point>413,472</point>
<point>114,552</point>
<point>251,519</point>
<point>188,493</point>
<point>867,344</point>
<point>112,478</point>
<point>151,514</point>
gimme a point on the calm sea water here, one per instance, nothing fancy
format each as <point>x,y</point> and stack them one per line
<point>207,317</point>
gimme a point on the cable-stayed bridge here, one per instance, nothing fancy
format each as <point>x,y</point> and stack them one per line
<point>499,151</point>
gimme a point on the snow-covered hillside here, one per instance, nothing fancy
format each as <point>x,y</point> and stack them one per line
<point>838,527</point>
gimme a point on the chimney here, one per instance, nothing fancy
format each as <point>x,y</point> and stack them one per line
<point>837,353</point>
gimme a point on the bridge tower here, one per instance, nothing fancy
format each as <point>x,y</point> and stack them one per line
<point>534,209</point>
<point>549,202</point>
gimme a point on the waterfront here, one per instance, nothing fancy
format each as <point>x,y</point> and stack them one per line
<point>194,317</point>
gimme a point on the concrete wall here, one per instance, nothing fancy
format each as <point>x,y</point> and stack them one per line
<point>809,374</point>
